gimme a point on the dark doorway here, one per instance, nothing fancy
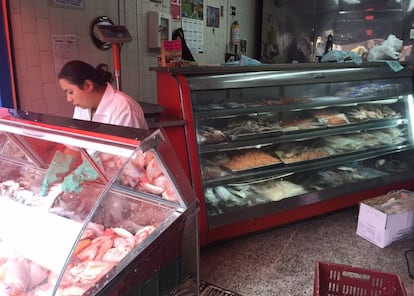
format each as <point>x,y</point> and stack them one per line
<point>7,94</point>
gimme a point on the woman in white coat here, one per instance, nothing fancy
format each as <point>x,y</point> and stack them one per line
<point>89,89</point>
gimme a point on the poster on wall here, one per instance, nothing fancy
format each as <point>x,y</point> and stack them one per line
<point>192,24</point>
<point>192,9</point>
<point>213,19</point>
<point>175,9</point>
<point>64,50</point>
<point>193,33</point>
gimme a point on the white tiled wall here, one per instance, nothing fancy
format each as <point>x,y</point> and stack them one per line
<point>34,22</point>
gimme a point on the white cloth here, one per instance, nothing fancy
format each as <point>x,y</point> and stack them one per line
<point>115,108</point>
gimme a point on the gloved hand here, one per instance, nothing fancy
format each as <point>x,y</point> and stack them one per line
<point>58,168</point>
<point>84,172</point>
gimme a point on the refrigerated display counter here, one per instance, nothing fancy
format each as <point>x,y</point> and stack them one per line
<point>92,209</point>
<point>272,144</point>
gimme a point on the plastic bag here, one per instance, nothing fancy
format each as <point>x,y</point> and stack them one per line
<point>246,61</point>
<point>388,50</point>
<point>341,56</point>
<point>382,52</point>
<point>393,42</point>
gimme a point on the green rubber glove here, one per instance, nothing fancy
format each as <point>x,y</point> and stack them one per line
<point>58,167</point>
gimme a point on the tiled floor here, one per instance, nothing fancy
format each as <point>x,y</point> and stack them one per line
<point>282,261</point>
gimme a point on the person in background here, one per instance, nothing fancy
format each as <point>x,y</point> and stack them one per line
<point>89,89</point>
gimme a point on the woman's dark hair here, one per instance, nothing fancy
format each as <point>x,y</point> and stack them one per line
<point>76,72</point>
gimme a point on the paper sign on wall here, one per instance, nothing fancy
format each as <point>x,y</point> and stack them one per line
<point>193,32</point>
<point>64,50</point>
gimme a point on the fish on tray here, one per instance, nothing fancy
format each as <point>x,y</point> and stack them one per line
<point>210,135</point>
<point>291,153</point>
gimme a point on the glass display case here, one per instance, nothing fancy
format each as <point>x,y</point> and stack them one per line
<point>269,145</point>
<point>92,209</point>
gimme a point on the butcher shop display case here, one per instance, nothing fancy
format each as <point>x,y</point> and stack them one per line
<point>92,209</point>
<point>272,144</point>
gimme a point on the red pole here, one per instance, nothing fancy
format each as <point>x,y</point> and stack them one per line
<point>117,64</point>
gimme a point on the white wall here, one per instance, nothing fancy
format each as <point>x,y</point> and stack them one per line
<point>33,23</point>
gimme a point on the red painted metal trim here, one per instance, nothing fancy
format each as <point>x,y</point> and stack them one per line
<point>196,179</point>
<point>175,97</point>
<point>169,99</point>
<point>5,116</point>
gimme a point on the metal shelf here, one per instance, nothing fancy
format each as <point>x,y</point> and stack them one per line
<point>280,170</point>
<point>239,214</point>
<point>313,103</point>
<point>264,140</point>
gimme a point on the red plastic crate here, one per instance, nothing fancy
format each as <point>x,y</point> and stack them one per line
<point>343,280</point>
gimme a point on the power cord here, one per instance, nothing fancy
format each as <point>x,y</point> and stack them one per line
<point>408,263</point>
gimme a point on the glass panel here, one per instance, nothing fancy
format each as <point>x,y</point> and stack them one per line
<point>260,144</point>
<point>114,236</point>
<point>145,173</point>
<point>253,97</point>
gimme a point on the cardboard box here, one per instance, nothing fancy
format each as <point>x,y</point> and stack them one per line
<point>387,218</point>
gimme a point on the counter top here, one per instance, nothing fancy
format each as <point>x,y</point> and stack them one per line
<point>167,123</point>
<point>229,69</point>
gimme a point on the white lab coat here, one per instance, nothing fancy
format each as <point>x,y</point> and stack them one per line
<point>115,108</point>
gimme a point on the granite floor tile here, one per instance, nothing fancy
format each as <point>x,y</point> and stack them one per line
<point>282,261</point>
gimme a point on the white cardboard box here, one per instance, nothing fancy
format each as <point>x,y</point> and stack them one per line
<point>381,224</point>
